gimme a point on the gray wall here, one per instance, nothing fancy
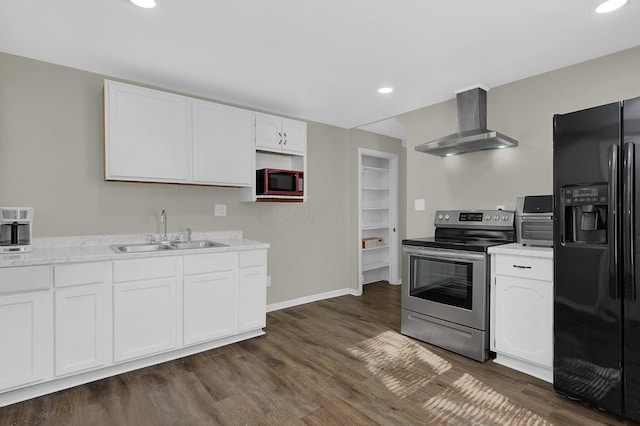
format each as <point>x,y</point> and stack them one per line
<point>51,138</point>
<point>523,110</point>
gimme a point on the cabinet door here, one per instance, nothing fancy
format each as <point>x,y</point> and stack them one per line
<point>524,319</point>
<point>146,134</point>
<point>295,135</point>
<point>209,306</point>
<point>79,329</point>
<point>23,335</point>
<point>144,318</point>
<point>269,132</point>
<point>222,138</point>
<point>252,298</point>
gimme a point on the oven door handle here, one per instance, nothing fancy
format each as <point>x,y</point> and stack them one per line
<point>446,255</point>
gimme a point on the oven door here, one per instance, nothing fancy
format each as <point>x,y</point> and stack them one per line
<point>446,284</point>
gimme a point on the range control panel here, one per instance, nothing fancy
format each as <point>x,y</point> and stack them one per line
<point>474,218</point>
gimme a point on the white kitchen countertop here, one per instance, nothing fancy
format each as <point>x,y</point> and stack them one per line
<point>520,250</point>
<point>95,248</point>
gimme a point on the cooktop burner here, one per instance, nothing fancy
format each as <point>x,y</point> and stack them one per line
<point>470,230</point>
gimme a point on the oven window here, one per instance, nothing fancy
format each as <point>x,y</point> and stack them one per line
<point>443,281</point>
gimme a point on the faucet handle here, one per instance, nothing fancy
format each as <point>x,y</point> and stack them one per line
<point>152,238</point>
<point>188,231</point>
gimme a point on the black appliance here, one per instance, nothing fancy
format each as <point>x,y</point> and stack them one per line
<point>596,306</point>
<point>445,280</point>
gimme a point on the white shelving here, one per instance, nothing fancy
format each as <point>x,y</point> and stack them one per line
<point>377,212</point>
<point>280,143</point>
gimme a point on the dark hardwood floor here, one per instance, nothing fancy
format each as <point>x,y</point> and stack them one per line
<point>341,361</point>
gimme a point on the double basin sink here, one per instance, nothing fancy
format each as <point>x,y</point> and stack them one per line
<point>168,245</point>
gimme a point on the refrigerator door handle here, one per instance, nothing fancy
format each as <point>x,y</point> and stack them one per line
<point>628,214</point>
<point>612,226</point>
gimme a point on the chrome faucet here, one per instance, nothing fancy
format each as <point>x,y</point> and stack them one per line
<point>163,219</point>
<point>189,235</point>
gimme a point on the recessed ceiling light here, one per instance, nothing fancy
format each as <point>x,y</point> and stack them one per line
<point>147,4</point>
<point>385,90</point>
<point>610,6</point>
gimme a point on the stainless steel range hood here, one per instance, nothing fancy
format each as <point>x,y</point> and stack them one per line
<point>472,134</point>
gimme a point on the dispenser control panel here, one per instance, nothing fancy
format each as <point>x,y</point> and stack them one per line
<point>581,195</point>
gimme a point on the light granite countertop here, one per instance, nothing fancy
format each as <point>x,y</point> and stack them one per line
<point>95,248</point>
<point>520,250</point>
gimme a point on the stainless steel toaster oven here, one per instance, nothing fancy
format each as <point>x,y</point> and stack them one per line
<point>534,220</point>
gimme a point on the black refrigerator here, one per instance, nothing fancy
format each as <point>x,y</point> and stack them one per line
<point>597,300</point>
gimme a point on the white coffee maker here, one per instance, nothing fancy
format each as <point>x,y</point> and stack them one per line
<point>15,229</point>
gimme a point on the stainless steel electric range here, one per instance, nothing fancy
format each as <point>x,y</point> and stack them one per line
<point>445,280</point>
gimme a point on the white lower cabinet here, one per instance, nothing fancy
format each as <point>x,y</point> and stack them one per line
<point>522,313</point>
<point>210,298</point>
<point>104,318</point>
<point>24,337</point>
<point>144,307</point>
<point>252,290</point>
<point>80,317</point>
<point>25,332</point>
<point>144,318</point>
<point>79,329</point>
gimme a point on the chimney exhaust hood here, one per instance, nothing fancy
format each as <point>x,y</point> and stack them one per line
<point>472,134</point>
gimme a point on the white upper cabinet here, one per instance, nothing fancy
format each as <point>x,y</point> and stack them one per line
<point>154,136</point>
<point>146,134</point>
<point>222,138</point>
<point>280,134</point>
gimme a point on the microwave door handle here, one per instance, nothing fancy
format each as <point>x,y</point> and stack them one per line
<point>628,213</point>
<point>612,223</point>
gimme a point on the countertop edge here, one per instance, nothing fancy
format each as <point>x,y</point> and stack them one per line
<point>520,250</point>
<point>98,253</point>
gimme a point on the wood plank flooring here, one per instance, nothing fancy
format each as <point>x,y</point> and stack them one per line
<point>340,361</point>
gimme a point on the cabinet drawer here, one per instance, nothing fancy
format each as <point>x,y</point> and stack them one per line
<point>211,262</point>
<point>144,269</point>
<point>25,278</point>
<point>252,258</point>
<point>536,268</point>
<point>78,274</point>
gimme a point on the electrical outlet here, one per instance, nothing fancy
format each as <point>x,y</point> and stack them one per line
<point>419,204</point>
<point>500,207</point>
<point>220,210</point>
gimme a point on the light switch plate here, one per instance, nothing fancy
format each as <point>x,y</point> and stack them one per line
<point>220,210</point>
<point>419,204</point>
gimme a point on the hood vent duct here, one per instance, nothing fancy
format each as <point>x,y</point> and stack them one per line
<point>472,132</point>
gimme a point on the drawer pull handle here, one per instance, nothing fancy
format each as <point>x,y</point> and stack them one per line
<point>522,267</point>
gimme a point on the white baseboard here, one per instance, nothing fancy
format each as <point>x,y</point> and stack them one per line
<point>312,298</point>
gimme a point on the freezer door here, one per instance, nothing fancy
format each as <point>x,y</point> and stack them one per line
<point>631,193</point>
<point>587,305</point>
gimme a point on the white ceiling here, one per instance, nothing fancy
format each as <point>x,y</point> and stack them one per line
<point>318,60</point>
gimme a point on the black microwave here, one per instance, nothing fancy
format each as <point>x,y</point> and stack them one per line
<point>279,182</point>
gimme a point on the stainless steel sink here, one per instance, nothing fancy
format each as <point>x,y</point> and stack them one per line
<point>147,247</point>
<point>135,248</point>
<point>197,244</point>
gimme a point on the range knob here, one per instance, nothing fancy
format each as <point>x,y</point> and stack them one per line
<point>505,217</point>
<point>496,217</point>
<point>487,217</point>
<point>440,216</point>
<point>446,217</point>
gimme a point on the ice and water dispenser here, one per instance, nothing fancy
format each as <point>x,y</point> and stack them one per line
<point>585,209</point>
